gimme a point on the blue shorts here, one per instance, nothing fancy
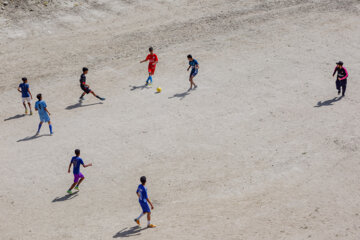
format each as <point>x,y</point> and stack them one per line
<point>194,72</point>
<point>145,207</point>
<point>44,118</point>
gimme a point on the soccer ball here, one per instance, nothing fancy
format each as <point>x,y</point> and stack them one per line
<point>159,89</point>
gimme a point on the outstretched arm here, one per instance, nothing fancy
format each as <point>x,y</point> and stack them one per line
<point>88,165</point>
<point>143,61</point>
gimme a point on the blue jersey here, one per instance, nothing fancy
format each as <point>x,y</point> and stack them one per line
<point>143,193</point>
<point>77,162</point>
<point>40,106</point>
<point>193,63</point>
<point>24,90</point>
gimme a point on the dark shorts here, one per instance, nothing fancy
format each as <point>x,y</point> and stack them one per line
<point>86,89</point>
<point>340,83</point>
<point>145,207</point>
<point>193,72</point>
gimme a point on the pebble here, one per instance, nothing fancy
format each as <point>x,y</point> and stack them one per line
<point>5,3</point>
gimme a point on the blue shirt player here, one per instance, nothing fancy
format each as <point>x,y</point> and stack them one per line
<point>76,162</point>
<point>26,96</point>
<point>41,107</point>
<point>194,65</point>
<point>144,200</point>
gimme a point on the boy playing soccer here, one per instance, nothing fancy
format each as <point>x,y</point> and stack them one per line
<point>41,107</point>
<point>153,60</point>
<point>144,200</point>
<point>25,94</point>
<point>85,87</point>
<point>77,161</point>
<point>194,65</point>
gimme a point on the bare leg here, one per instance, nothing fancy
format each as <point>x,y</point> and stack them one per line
<point>30,107</point>
<point>72,186</point>
<point>149,216</point>
<point>25,107</point>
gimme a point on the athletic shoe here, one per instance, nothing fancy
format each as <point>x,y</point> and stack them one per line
<point>151,226</point>
<point>101,98</point>
<point>37,133</point>
<point>30,112</point>
<point>69,191</point>
<point>338,92</point>
<point>81,98</point>
<point>76,187</point>
<point>26,111</point>
<point>195,86</point>
<point>137,221</point>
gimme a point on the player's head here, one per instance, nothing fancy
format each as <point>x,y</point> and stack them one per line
<point>77,152</point>
<point>85,70</point>
<point>340,64</point>
<point>24,79</point>
<point>151,50</point>
<point>189,57</point>
<point>143,180</point>
<point>39,96</point>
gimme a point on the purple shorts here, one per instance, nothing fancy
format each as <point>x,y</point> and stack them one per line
<point>77,177</point>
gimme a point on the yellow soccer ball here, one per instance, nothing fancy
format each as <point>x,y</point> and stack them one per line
<point>159,89</point>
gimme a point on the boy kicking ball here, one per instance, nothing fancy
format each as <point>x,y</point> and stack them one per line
<point>76,161</point>
<point>144,200</point>
<point>153,60</point>
<point>41,107</point>
<point>85,87</point>
<point>194,65</point>
<point>25,94</point>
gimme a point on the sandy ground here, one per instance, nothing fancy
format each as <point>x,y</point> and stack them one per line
<point>263,149</point>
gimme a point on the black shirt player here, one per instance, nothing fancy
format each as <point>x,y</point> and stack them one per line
<point>341,79</point>
<point>86,87</point>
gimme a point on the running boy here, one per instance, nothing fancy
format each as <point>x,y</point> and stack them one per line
<point>85,87</point>
<point>153,60</point>
<point>77,161</point>
<point>341,79</point>
<point>25,94</point>
<point>144,200</point>
<point>41,107</point>
<point>194,65</point>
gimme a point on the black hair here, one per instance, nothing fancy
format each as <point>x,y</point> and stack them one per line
<point>151,49</point>
<point>85,69</point>
<point>189,56</point>
<point>24,79</point>
<point>143,179</point>
<point>77,152</point>
<point>39,96</point>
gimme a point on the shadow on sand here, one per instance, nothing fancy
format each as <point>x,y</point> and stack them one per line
<point>32,137</point>
<point>141,87</point>
<point>66,197</point>
<point>15,117</point>
<point>181,96</point>
<point>328,102</point>
<point>129,232</point>
<point>79,104</point>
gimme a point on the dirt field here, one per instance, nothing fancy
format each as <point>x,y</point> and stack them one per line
<point>263,149</point>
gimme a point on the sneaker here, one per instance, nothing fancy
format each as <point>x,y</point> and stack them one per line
<point>81,98</point>
<point>30,112</point>
<point>37,133</point>
<point>26,111</point>
<point>338,92</point>
<point>195,86</point>
<point>137,221</point>
<point>69,191</point>
<point>101,98</point>
<point>76,187</point>
<point>151,226</point>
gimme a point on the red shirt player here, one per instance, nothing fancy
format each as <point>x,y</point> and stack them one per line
<point>153,60</point>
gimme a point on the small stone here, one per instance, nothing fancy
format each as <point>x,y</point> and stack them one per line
<point>5,3</point>
<point>2,8</point>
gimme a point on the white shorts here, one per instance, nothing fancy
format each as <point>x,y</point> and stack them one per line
<point>26,99</point>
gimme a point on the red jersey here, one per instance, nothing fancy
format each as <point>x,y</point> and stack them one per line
<point>152,59</point>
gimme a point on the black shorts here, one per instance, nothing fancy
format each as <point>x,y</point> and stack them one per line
<point>86,89</point>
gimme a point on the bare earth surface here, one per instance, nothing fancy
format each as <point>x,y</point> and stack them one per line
<point>263,149</point>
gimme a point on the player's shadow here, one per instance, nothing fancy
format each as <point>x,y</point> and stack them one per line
<point>181,96</point>
<point>15,117</point>
<point>66,197</point>
<point>328,102</point>
<point>79,104</point>
<point>141,87</point>
<point>129,232</point>
<point>32,137</point>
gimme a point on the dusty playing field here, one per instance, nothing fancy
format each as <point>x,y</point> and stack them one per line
<point>263,149</point>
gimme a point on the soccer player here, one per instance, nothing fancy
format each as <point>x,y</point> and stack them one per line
<point>85,87</point>
<point>144,200</point>
<point>76,161</point>
<point>25,94</point>
<point>41,107</point>
<point>153,60</point>
<point>341,79</point>
<point>194,65</point>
